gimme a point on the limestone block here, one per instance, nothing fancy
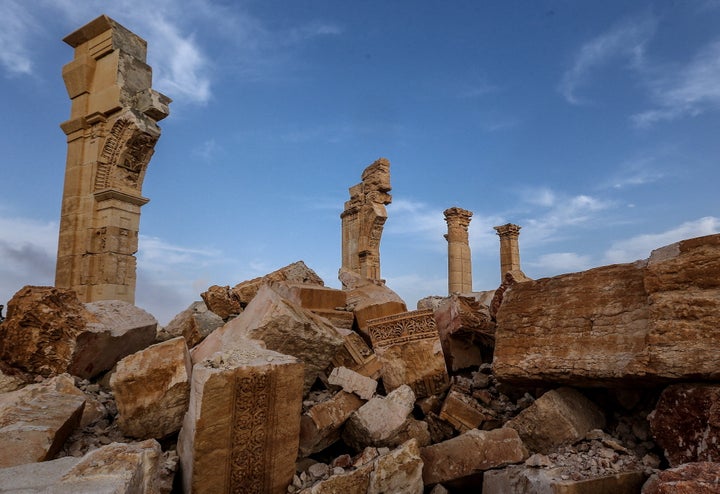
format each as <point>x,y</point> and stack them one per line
<point>194,324</point>
<point>356,355</point>
<point>354,482</point>
<point>408,346</point>
<point>451,460</point>
<point>296,273</point>
<point>36,420</point>
<point>683,285</point>
<point>320,426</point>
<point>221,301</point>
<point>152,389</point>
<point>284,327</point>
<point>341,319</point>
<point>464,412</point>
<point>241,431</point>
<point>646,322</point>
<point>313,297</point>
<point>352,382</point>
<point>558,417</point>
<point>528,480</point>
<point>689,478</point>
<point>119,468</point>
<point>465,327</point>
<point>399,471</point>
<point>48,332</point>
<point>369,299</point>
<point>686,423</point>
<point>380,420</point>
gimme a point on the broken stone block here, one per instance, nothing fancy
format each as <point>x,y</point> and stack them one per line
<point>48,332</point>
<point>465,328</point>
<point>320,426</point>
<point>646,322</point>
<point>356,355</point>
<point>689,478</point>
<point>296,273</point>
<point>119,468</point>
<point>194,324</point>
<point>152,389</point>
<point>558,417</point>
<point>468,455</point>
<point>464,412</point>
<point>282,326</point>
<point>528,480</point>
<point>379,421</point>
<point>369,299</point>
<point>408,345</point>
<point>686,423</point>
<point>241,431</point>
<point>36,420</point>
<point>352,382</point>
<point>222,302</point>
<point>312,297</point>
<point>399,471</point>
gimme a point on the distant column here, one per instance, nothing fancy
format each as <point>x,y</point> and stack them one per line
<point>363,220</point>
<point>459,259</point>
<point>111,136</point>
<point>509,248</point>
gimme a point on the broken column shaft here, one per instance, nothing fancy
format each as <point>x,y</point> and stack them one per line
<point>509,248</point>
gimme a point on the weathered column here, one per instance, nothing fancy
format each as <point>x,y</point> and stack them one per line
<point>363,220</point>
<point>459,260</point>
<point>111,134</point>
<point>509,248</point>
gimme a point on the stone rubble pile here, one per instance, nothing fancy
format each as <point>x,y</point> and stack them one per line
<point>589,382</point>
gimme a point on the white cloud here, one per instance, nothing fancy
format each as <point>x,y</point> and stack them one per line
<point>640,246</point>
<point>413,287</point>
<point>16,25</point>
<point>625,40</point>
<point>639,171</point>
<point>689,91</point>
<point>560,262</point>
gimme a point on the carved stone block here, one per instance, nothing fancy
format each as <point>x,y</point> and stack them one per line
<point>241,431</point>
<point>408,345</point>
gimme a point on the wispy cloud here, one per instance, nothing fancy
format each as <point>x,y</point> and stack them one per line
<point>638,171</point>
<point>640,246</point>
<point>624,41</point>
<point>689,91</point>
<point>560,262</point>
<point>553,212</point>
<point>16,26</point>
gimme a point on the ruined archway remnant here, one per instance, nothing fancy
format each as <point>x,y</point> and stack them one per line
<point>111,136</point>
<point>509,248</point>
<point>363,220</point>
<point>459,259</point>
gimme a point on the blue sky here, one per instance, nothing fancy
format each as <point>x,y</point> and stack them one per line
<point>593,125</point>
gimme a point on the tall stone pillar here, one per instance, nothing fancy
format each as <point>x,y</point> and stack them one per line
<point>111,136</point>
<point>509,248</point>
<point>459,260</point>
<point>363,220</point>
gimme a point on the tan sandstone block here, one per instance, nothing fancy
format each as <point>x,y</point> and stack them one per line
<point>320,426</point>
<point>463,411</point>
<point>408,345</point>
<point>36,420</point>
<point>451,460</point>
<point>529,480</point>
<point>243,423</point>
<point>152,389</point>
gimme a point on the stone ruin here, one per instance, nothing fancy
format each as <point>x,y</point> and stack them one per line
<point>111,135</point>
<point>603,381</point>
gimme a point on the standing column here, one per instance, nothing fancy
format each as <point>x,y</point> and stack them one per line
<point>509,248</point>
<point>459,260</point>
<point>111,136</point>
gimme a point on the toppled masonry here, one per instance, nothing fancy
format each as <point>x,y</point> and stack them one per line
<point>603,381</point>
